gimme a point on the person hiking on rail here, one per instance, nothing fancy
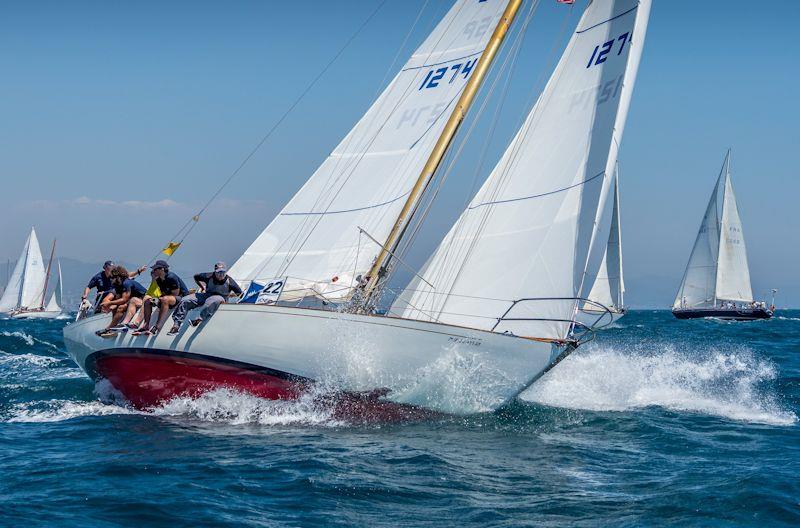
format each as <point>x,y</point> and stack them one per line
<point>214,289</point>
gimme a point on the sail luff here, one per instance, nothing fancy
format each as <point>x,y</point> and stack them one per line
<point>440,149</point>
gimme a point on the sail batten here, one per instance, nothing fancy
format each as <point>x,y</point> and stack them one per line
<point>539,225</point>
<point>369,175</point>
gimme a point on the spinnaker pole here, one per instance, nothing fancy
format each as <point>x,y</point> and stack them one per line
<point>439,150</point>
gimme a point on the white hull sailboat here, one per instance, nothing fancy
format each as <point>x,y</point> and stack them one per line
<point>606,298</point>
<point>52,309</point>
<point>716,282</point>
<point>481,322</point>
<point>25,293</point>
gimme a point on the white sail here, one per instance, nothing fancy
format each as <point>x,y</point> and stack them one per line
<point>540,223</point>
<point>26,286</point>
<point>57,295</point>
<point>717,268</point>
<point>609,287</point>
<point>733,273</point>
<point>316,240</point>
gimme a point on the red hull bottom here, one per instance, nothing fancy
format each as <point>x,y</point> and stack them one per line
<point>148,380</point>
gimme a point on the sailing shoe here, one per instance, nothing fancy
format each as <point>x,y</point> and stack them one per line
<point>196,322</point>
<point>119,328</point>
<point>174,330</point>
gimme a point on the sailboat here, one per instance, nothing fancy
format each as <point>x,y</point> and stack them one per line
<point>26,291</point>
<point>716,282</point>
<point>52,310</point>
<point>482,320</point>
<point>606,298</point>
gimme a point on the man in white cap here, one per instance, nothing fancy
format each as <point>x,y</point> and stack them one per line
<point>214,288</point>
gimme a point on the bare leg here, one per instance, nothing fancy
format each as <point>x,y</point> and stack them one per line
<point>119,313</point>
<point>133,306</point>
<point>142,319</point>
<point>166,302</point>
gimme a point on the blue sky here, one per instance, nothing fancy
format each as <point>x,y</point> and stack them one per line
<point>120,120</point>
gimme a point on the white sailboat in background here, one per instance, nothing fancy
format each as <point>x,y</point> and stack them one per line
<point>607,302</point>
<point>25,293</point>
<point>483,320</point>
<point>52,309</point>
<point>716,282</point>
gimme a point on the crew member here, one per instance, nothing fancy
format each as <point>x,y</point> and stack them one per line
<point>214,288</point>
<point>172,288</point>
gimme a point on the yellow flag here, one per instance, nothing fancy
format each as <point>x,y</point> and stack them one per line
<point>171,248</point>
<point>153,290</point>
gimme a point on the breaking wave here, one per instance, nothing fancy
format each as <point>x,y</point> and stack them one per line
<point>726,384</point>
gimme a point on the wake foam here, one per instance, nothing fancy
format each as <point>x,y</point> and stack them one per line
<point>28,339</point>
<point>725,384</point>
<point>237,408</point>
<point>60,410</point>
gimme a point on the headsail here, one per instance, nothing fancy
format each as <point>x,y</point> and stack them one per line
<point>57,295</point>
<point>717,267</point>
<point>539,223</point>
<point>733,273</point>
<point>24,289</point>
<point>316,239</point>
<point>609,287</point>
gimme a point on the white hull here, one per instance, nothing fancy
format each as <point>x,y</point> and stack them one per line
<point>37,315</point>
<point>438,367</point>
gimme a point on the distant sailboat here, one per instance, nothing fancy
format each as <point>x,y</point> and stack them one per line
<point>606,299</point>
<point>716,282</point>
<point>25,293</point>
<point>495,302</point>
<point>53,308</point>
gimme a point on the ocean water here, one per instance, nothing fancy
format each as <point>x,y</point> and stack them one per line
<point>657,422</point>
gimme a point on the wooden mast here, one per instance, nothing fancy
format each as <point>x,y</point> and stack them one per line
<point>440,149</point>
<point>47,275</point>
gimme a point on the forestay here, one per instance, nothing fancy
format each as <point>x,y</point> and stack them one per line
<point>540,223</point>
<point>316,240</point>
<point>26,285</point>
<point>609,287</point>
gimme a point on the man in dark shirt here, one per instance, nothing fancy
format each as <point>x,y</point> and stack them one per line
<point>172,288</point>
<point>125,299</point>
<point>215,288</point>
<point>101,281</point>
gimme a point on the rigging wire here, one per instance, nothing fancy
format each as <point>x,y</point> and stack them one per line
<point>190,224</point>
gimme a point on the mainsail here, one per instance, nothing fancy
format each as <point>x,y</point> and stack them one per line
<point>517,259</point>
<point>317,240</point>
<point>717,267</point>
<point>26,285</point>
<point>609,287</point>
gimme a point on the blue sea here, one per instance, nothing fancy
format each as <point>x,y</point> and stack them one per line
<point>658,422</point>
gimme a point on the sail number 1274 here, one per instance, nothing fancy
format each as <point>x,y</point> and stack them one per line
<point>600,53</point>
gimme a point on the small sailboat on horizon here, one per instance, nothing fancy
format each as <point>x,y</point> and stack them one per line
<point>716,282</point>
<point>25,295</point>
